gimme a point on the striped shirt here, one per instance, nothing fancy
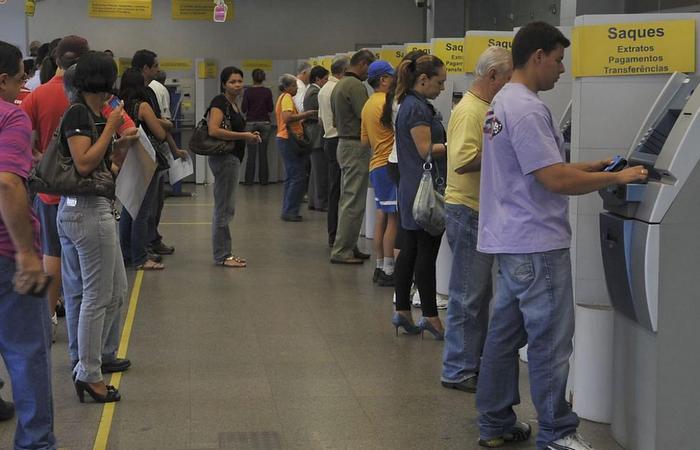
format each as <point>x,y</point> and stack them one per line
<point>15,158</point>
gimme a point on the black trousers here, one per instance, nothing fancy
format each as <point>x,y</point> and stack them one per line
<point>419,251</point>
<point>330,148</point>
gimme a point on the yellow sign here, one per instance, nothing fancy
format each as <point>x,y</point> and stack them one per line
<point>642,48</point>
<point>175,65</point>
<point>376,51</point>
<point>30,7</point>
<point>207,69</point>
<point>476,44</point>
<point>393,54</point>
<point>250,64</point>
<point>451,52</point>
<point>413,46</point>
<point>326,62</point>
<point>313,61</point>
<point>198,10</point>
<point>120,9</point>
<point>123,64</point>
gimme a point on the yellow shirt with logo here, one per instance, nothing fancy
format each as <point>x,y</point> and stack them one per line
<point>381,139</point>
<point>464,142</point>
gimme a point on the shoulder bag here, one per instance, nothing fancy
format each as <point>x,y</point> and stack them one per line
<point>203,144</point>
<point>56,172</point>
<point>429,204</point>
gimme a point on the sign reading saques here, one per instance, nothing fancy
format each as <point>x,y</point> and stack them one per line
<point>641,48</point>
<point>476,42</point>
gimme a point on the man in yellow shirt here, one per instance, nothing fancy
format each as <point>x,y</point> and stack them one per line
<point>470,281</point>
<point>380,138</point>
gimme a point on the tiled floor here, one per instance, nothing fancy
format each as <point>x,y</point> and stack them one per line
<point>289,353</point>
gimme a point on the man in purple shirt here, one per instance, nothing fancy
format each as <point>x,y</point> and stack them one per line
<point>25,338</point>
<point>523,220</point>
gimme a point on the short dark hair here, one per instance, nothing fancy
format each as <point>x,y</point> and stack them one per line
<point>95,73</point>
<point>143,58</point>
<point>226,73</point>
<point>317,73</point>
<point>535,36</point>
<point>10,58</point>
<point>258,75</point>
<point>41,53</point>
<point>361,56</point>
<point>69,50</point>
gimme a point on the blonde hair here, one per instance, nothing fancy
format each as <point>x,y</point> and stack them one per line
<point>493,58</point>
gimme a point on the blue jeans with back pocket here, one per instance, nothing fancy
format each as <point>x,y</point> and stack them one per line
<point>533,305</point>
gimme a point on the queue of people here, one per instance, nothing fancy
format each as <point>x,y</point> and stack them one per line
<point>500,165</point>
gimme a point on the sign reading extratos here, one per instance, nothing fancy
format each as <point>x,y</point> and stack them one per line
<point>642,48</point>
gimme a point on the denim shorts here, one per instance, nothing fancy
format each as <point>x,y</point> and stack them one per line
<point>50,243</point>
<point>384,190</point>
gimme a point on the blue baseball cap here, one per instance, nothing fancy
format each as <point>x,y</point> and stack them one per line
<point>379,68</point>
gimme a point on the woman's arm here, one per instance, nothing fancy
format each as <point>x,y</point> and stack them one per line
<point>216,116</point>
<point>422,138</point>
<point>153,123</point>
<point>86,155</point>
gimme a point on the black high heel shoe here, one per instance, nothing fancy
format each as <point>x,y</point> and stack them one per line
<point>112,393</point>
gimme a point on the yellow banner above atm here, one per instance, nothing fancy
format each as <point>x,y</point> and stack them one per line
<point>198,10</point>
<point>413,46</point>
<point>476,44</point>
<point>451,52</point>
<point>175,65</point>
<point>120,9</point>
<point>393,54</point>
<point>642,48</point>
<point>207,69</point>
<point>251,64</point>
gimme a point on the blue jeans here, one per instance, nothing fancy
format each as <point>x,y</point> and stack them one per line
<point>94,282</point>
<point>533,305</point>
<point>470,293</point>
<point>25,345</point>
<point>226,170</point>
<point>295,181</point>
<point>134,234</point>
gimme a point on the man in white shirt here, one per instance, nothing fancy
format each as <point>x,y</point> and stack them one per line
<point>330,143</point>
<point>303,75</point>
<point>162,94</point>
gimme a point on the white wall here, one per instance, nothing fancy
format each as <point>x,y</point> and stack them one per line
<point>13,24</point>
<point>269,29</point>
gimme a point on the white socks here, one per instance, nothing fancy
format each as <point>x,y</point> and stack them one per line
<point>380,262</point>
<point>388,266</point>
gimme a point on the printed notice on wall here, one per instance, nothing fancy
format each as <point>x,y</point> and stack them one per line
<point>643,48</point>
<point>120,9</point>
<point>475,44</point>
<point>170,65</point>
<point>451,52</point>
<point>198,10</point>
<point>207,69</point>
<point>251,64</point>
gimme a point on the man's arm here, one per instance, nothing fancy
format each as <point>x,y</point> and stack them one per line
<point>358,98</point>
<point>570,180</point>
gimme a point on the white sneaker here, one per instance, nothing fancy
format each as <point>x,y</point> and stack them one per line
<point>415,300</point>
<point>394,300</point>
<point>441,301</point>
<point>54,327</point>
<point>571,442</point>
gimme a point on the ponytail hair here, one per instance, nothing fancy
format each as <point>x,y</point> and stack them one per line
<point>409,71</point>
<point>388,110</point>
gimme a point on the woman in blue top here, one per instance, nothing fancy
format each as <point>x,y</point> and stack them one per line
<point>418,133</point>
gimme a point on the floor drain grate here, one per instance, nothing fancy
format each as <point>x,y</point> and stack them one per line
<point>255,440</point>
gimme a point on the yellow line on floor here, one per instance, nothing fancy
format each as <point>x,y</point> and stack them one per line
<point>185,223</point>
<point>102,436</point>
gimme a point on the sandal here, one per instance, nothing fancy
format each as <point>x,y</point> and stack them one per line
<point>233,261</point>
<point>150,265</point>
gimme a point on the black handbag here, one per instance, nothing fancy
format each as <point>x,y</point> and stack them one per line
<point>56,172</point>
<point>203,144</point>
<point>303,142</point>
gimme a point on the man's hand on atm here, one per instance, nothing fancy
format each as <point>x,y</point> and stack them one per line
<point>592,166</point>
<point>636,174</point>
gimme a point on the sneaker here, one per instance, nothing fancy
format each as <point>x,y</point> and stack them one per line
<point>468,385</point>
<point>54,327</point>
<point>161,249</point>
<point>60,308</point>
<point>375,276</point>
<point>394,300</point>
<point>7,410</point>
<point>415,299</point>
<point>441,301</point>
<point>521,431</point>
<point>571,442</point>
<point>385,280</point>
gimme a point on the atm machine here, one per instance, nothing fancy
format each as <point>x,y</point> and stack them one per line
<point>650,241</point>
<point>565,130</point>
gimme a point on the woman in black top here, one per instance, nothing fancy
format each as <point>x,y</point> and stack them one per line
<point>94,280</point>
<point>227,123</point>
<point>135,232</point>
